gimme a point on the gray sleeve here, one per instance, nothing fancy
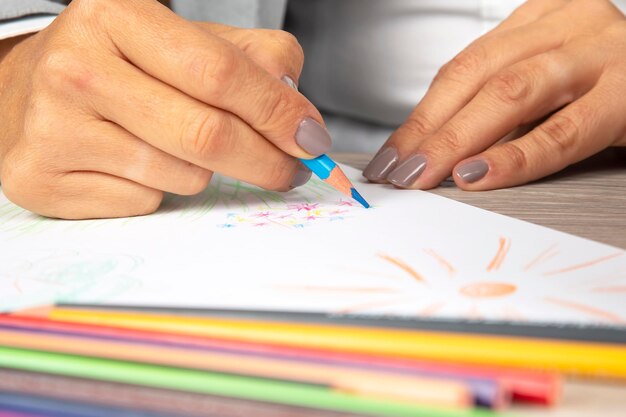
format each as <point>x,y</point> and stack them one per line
<point>243,13</point>
<point>13,9</point>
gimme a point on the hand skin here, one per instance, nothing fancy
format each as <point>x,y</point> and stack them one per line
<point>543,90</point>
<point>119,101</point>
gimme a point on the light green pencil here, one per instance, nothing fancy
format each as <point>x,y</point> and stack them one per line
<point>280,392</point>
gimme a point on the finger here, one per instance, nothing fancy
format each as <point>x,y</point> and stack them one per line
<point>276,51</point>
<point>529,12</point>
<point>181,126</point>
<point>94,195</point>
<point>215,72</point>
<point>109,149</point>
<point>457,83</point>
<point>516,96</point>
<point>581,129</point>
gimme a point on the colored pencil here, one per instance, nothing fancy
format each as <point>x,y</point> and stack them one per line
<point>426,391</point>
<point>57,408</point>
<point>329,172</point>
<point>7,413</point>
<point>179,403</point>
<point>217,384</point>
<point>588,333</point>
<point>583,358</point>
<point>541,387</point>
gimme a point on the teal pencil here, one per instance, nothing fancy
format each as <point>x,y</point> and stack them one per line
<point>329,172</point>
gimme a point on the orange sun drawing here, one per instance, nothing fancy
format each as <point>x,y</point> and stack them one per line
<point>494,294</point>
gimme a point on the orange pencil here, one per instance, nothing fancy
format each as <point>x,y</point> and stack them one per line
<point>417,390</point>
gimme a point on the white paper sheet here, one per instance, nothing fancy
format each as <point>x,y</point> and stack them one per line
<point>235,246</point>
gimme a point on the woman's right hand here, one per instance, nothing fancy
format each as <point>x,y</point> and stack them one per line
<point>119,101</point>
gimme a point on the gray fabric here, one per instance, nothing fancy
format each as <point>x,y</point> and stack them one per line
<point>243,13</point>
<point>13,9</point>
<point>373,60</point>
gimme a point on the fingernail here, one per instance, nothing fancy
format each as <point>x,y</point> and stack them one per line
<point>472,171</point>
<point>313,137</point>
<point>381,165</point>
<point>302,176</point>
<point>408,171</point>
<point>290,82</point>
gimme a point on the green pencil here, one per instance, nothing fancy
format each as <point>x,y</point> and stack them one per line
<point>235,386</point>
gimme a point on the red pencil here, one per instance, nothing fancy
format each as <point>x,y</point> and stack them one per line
<point>533,386</point>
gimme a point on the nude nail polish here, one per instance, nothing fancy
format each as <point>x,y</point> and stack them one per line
<point>472,171</point>
<point>302,176</point>
<point>408,172</point>
<point>290,82</point>
<point>381,165</point>
<point>313,137</point>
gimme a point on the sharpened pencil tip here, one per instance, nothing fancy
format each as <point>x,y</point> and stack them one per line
<point>358,197</point>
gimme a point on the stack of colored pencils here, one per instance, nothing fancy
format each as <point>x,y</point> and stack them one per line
<point>77,361</point>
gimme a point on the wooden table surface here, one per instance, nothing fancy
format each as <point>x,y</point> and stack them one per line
<point>587,199</point>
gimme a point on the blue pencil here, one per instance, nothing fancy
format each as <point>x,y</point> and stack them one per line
<point>329,172</point>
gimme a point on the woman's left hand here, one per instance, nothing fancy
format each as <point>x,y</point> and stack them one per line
<point>555,71</point>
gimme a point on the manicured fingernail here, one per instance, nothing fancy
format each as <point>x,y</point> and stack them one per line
<point>408,171</point>
<point>290,82</point>
<point>302,176</point>
<point>313,137</point>
<point>472,171</point>
<point>381,165</point>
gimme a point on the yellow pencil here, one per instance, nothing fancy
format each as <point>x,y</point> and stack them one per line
<point>585,358</point>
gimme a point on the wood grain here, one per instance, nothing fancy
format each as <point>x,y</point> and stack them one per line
<point>587,199</point>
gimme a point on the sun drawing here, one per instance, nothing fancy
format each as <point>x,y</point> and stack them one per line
<point>537,289</point>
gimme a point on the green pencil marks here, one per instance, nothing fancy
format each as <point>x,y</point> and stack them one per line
<point>223,194</point>
<point>46,277</point>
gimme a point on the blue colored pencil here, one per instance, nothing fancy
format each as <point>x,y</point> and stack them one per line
<point>329,172</point>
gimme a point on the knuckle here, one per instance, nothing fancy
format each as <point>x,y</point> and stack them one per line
<point>277,177</point>
<point>560,132</point>
<point>95,11</point>
<point>214,70</point>
<point>278,106</point>
<point>448,141</point>
<point>509,86</point>
<point>289,44</point>
<point>60,69</point>
<point>516,157</point>
<point>466,64</point>
<point>286,39</point>
<point>418,124</point>
<point>207,136</point>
